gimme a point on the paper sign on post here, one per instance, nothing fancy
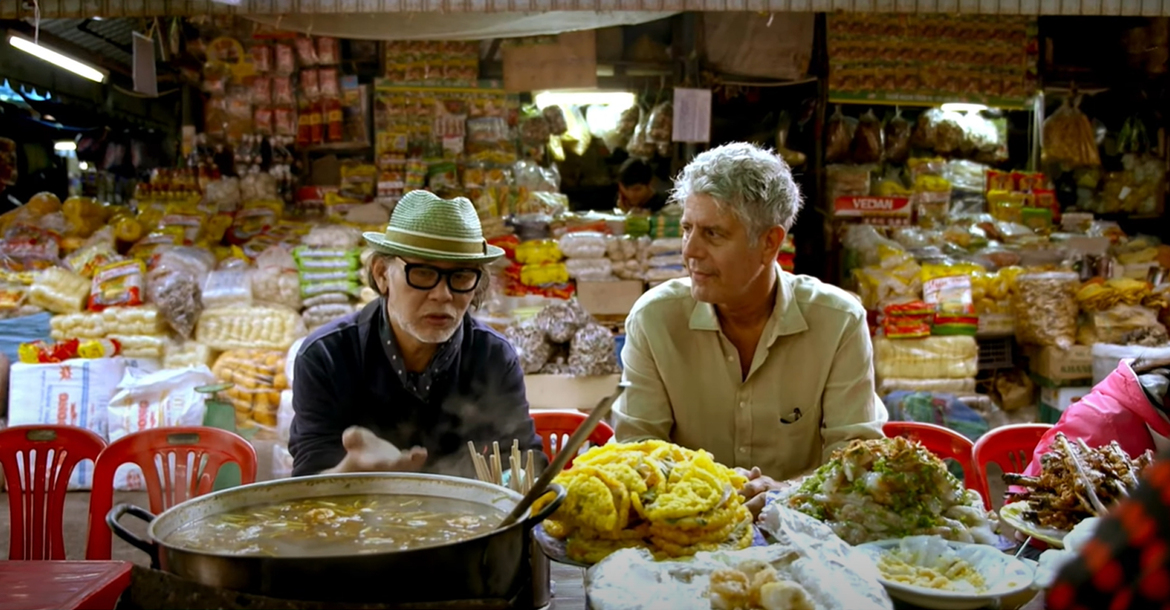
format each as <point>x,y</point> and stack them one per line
<point>692,115</point>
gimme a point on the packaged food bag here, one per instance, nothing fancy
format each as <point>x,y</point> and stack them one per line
<point>1046,308</point>
<point>154,400</point>
<point>70,393</point>
<point>258,377</point>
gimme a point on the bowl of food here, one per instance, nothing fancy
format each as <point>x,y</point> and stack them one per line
<point>932,572</point>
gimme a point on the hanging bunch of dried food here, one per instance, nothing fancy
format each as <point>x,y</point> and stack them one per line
<point>898,132</point>
<point>839,137</point>
<point>1068,137</point>
<point>867,145</point>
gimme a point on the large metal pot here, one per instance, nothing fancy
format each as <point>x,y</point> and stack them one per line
<point>491,566</point>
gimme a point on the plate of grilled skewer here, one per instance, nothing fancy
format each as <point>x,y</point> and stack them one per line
<point>1075,482</point>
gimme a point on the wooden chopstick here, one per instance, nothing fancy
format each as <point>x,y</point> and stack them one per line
<point>475,461</point>
<point>529,472</point>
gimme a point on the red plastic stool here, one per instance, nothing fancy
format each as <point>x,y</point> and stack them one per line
<point>944,443</point>
<point>198,452</point>
<point>1010,447</point>
<point>555,428</point>
<point>37,486</point>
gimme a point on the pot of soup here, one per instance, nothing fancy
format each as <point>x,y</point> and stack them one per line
<point>368,538</point>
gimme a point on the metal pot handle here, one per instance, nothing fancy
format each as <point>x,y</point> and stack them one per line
<point>549,508</point>
<point>112,520</point>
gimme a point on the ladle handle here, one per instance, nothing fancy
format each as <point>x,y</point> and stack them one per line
<point>566,453</point>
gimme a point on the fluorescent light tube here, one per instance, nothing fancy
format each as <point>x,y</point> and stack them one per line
<point>57,59</point>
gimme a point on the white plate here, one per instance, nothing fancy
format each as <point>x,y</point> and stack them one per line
<point>1003,575</point>
<point>1013,515</point>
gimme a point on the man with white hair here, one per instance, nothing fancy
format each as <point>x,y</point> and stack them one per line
<point>767,370</point>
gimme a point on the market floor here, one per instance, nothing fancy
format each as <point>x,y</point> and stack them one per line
<point>570,583</point>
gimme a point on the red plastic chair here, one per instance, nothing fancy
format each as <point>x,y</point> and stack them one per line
<point>1010,447</point>
<point>197,452</point>
<point>555,427</point>
<point>37,484</point>
<point>944,443</point>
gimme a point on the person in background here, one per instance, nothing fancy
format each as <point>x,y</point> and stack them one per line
<point>767,370</point>
<point>636,187</point>
<point>1128,406</point>
<point>1126,565</point>
<point>413,369</point>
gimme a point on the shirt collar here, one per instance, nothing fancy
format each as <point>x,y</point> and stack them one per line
<point>420,383</point>
<point>786,318</point>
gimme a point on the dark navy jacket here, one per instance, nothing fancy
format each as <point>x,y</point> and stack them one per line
<point>349,373</point>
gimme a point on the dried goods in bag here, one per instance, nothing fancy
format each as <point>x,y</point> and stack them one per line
<point>898,132</point>
<point>839,137</point>
<point>867,145</point>
<point>1068,138</point>
<point>258,377</point>
<point>1046,308</point>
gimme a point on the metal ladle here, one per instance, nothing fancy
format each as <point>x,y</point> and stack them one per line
<point>566,453</point>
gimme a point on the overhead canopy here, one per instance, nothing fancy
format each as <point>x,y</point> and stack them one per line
<point>455,26</point>
<point>189,8</point>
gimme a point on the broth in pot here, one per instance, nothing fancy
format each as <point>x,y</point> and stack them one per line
<point>337,525</point>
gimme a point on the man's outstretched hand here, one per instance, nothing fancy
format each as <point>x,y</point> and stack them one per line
<point>755,490</point>
<point>365,452</point>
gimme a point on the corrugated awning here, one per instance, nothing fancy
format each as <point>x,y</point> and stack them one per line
<point>158,8</point>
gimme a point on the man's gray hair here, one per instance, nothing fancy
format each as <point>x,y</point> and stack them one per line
<point>753,182</point>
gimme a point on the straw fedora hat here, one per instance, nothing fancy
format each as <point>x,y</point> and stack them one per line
<point>429,227</point>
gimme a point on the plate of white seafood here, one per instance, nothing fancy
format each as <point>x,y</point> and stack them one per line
<point>932,572</point>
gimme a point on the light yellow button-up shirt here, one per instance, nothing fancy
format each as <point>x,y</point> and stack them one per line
<point>810,389</point>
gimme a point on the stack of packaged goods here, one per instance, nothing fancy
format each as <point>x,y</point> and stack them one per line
<point>257,378</point>
<point>665,259</point>
<point>629,256</point>
<point>329,266</point>
<point>585,256</point>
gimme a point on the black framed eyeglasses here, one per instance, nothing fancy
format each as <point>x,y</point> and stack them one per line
<point>422,276</point>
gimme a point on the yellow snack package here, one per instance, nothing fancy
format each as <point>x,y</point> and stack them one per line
<point>119,283</point>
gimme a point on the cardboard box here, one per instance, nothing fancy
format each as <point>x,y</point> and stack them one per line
<point>1062,367</point>
<point>609,298</point>
<point>1054,401</point>
<point>566,392</point>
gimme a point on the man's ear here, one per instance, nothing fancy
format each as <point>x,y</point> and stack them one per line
<point>379,267</point>
<point>771,242</point>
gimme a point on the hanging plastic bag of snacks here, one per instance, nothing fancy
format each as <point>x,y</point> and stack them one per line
<point>898,132</point>
<point>867,145</point>
<point>1068,138</point>
<point>839,136</point>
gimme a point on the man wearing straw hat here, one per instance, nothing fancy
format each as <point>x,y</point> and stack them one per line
<point>412,370</point>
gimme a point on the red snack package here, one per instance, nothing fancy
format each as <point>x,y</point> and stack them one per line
<point>284,121</point>
<point>335,125</point>
<point>282,90</point>
<point>316,122</point>
<point>328,51</point>
<point>913,308</point>
<point>310,84</point>
<point>261,90</point>
<point>327,81</point>
<point>306,52</point>
<point>284,62</point>
<point>262,58</point>
<point>262,120</point>
<point>896,330</point>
